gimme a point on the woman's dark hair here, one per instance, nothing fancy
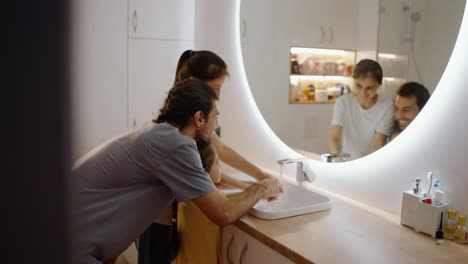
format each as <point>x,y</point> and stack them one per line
<point>207,155</point>
<point>184,100</point>
<point>203,65</point>
<point>368,68</point>
<point>417,90</point>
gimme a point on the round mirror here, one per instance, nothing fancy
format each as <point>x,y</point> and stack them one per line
<point>411,39</point>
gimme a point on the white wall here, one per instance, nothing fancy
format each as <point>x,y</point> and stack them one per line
<point>98,72</point>
<point>435,36</point>
<point>435,141</point>
<point>425,31</point>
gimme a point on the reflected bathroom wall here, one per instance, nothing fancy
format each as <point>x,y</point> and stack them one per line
<point>269,28</point>
<point>422,39</point>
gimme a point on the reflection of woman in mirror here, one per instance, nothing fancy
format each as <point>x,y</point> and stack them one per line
<point>362,120</point>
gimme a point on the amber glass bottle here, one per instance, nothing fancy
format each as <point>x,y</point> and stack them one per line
<point>451,225</point>
<point>461,233</point>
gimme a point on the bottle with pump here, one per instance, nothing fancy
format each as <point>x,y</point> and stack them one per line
<point>461,233</point>
<point>451,224</point>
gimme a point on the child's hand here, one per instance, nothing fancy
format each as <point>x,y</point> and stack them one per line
<point>273,188</point>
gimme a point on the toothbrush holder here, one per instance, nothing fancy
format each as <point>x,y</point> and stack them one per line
<point>422,217</point>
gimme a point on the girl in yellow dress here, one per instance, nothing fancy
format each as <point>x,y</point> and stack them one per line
<point>200,239</point>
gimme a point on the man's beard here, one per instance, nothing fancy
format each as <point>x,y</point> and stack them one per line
<point>203,143</point>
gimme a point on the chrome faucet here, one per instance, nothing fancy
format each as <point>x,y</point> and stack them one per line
<point>328,157</point>
<point>301,174</point>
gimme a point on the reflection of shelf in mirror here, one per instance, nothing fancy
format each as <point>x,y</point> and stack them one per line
<point>330,101</point>
<point>387,56</point>
<point>393,79</point>
<point>330,52</point>
<point>391,56</point>
<point>321,62</point>
<point>319,77</point>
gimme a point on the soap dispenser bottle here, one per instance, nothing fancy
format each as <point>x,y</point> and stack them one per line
<point>461,233</point>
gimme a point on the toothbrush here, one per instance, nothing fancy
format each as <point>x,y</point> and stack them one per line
<point>436,183</point>
<point>429,177</point>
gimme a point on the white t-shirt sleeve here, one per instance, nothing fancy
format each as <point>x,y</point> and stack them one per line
<point>385,125</point>
<point>338,113</point>
<point>183,173</point>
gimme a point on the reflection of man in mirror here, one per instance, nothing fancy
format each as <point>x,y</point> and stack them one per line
<point>411,98</point>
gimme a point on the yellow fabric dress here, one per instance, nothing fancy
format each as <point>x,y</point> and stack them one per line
<point>200,239</point>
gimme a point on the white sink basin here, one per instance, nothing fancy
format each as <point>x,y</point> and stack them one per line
<point>294,201</point>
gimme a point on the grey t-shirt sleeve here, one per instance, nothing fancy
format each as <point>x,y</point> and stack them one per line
<point>183,173</point>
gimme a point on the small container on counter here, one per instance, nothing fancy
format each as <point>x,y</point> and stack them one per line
<point>451,224</point>
<point>461,233</point>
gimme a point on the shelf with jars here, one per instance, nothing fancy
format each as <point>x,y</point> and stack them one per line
<point>319,75</point>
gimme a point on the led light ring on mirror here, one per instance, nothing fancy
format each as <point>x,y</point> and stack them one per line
<point>265,56</point>
<point>255,109</point>
<point>376,180</point>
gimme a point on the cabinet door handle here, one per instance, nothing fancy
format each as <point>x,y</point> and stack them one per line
<point>242,255</point>
<point>134,123</point>
<point>332,35</point>
<point>134,21</point>
<point>229,250</point>
<point>322,36</point>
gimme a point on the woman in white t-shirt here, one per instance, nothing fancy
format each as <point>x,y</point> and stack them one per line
<point>362,120</point>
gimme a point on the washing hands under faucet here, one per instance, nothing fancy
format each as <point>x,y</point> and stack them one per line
<point>301,174</point>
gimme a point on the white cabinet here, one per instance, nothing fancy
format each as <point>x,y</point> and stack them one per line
<point>321,23</point>
<point>161,19</point>
<point>240,248</point>
<point>341,22</point>
<point>124,60</point>
<point>305,25</point>
<point>158,32</point>
<point>151,68</point>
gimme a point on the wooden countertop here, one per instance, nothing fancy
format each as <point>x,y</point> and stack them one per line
<point>349,233</point>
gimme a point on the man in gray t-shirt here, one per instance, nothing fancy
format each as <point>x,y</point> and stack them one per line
<point>125,183</point>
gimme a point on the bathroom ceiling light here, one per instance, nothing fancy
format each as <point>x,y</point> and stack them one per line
<point>387,56</point>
